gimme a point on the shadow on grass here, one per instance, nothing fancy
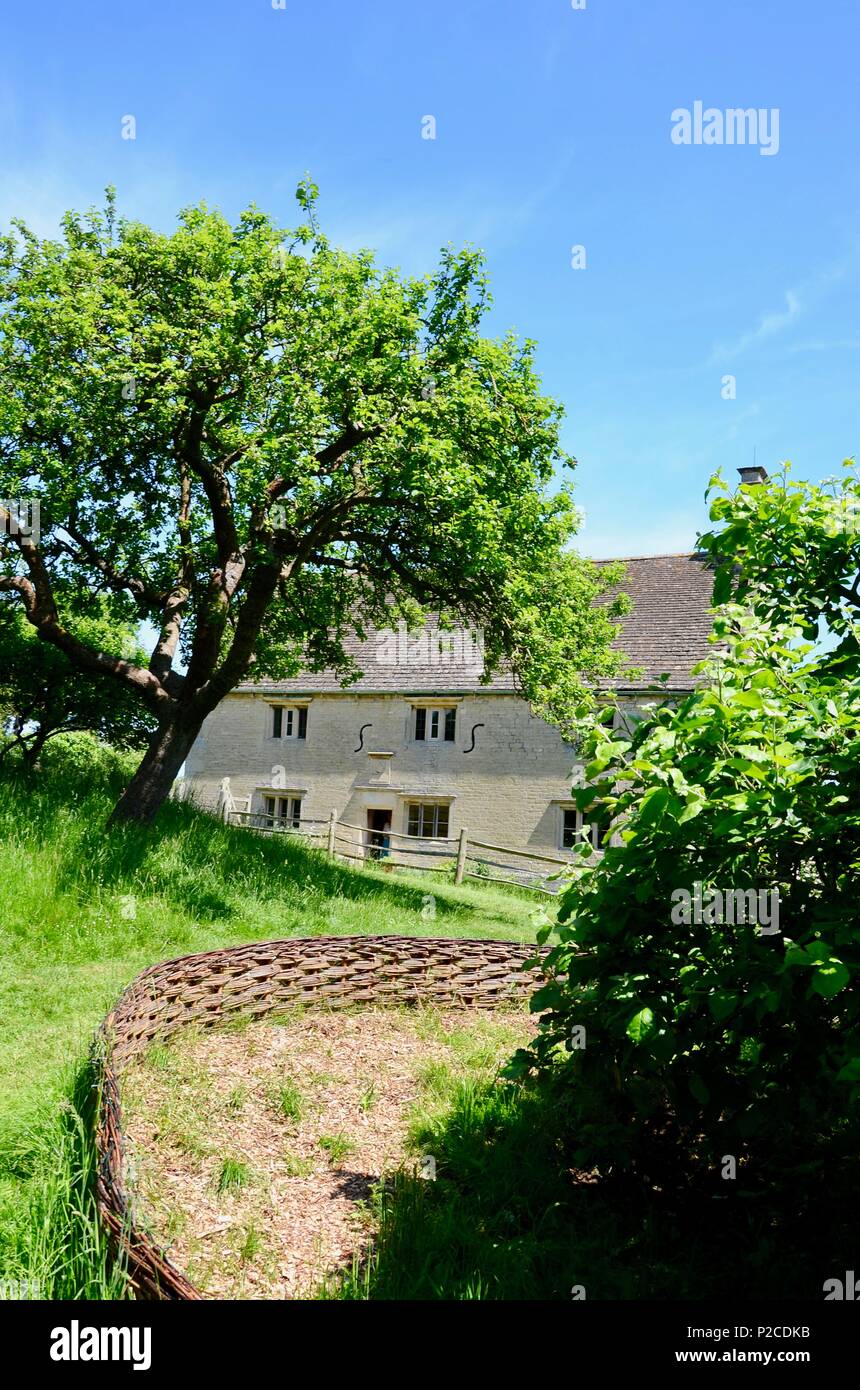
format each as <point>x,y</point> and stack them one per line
<point>201,866</point>
<point>506,1218</point>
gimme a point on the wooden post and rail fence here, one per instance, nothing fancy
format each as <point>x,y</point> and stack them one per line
<point>343,840</point>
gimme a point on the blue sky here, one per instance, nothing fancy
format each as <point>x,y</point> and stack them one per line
<point>553,130</point>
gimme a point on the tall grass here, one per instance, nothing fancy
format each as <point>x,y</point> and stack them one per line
<point>51,1244</point>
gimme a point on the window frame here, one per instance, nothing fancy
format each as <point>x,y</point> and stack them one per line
<point>288,722</point>
<point>277,817</point>
<point>441,717</point>
<point>417,812</point>
<point>598,829</point>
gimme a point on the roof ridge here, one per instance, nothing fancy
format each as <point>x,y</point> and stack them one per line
<point>663,555</point>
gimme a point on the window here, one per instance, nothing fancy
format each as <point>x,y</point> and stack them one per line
<point>579,826</point>
<point>289,721</point>
<point>428,820</point>
<point>283,812</point>
<point>435,723</point>
<point>568,829</point>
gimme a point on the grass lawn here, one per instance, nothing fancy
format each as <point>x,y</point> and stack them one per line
<point>85,908</point>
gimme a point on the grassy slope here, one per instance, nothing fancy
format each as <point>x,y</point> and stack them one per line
<point>68,949</point>
<point>84,909</point>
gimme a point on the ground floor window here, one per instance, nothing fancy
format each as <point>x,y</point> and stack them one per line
<point>578,826</point>
<point>283,812</point>
<point>428,820</point>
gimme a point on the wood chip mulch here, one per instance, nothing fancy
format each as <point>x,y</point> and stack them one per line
<point>224,1128</point>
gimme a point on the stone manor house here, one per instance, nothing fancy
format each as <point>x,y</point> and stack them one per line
<point>418,747</point>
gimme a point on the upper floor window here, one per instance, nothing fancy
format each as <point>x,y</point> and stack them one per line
<point>289,721</point>
<point>583,826</point>
<point>435,723</point>
<point>428,820</point>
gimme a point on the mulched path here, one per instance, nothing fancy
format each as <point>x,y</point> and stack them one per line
<point>253,1104</point>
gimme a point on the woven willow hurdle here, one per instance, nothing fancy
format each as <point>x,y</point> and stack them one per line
<point>260,979</point>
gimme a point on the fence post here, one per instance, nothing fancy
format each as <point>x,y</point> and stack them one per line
<point>461,856</point>
<point>225,800</point>
<point>332,822</point>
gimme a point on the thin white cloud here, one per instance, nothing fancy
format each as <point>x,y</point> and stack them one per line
<point>412,232</point>
<point>827,345</point>
<point>767,327</point>
<point>742,418</point>
<point>797,301</point>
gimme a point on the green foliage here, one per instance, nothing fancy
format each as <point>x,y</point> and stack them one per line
<point>232,1175</point>
<point>82,760</point>
<point>791,551</point>
<point>261,443</point>
<point>706,1034</point>
<point>51,1242</point>
<point>42,695</point>
<point>337,1146</point>
<point>505,1218</point>
<point>289,1100</point>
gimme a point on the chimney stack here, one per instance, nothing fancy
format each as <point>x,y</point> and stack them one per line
<point>750,476</point>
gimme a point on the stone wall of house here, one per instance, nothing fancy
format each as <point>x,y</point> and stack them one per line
<point>508,790</point>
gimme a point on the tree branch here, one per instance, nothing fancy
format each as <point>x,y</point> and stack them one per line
<point>143,594</point>
<point>161,661</point>
<point>40,609</point>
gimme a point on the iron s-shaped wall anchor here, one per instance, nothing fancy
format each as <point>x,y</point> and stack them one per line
<point>472,744</point>
<point>361,737</point>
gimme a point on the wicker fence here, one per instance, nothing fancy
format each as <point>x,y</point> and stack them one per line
<point>266,978</point>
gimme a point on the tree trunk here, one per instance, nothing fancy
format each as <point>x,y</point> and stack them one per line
<point>32,750</point>
<point>150,786</point>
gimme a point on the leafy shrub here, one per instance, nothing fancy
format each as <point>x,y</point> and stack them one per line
<point>43,695</point>
<point>705,1038</point>
<point>82,758</point>
<point>684,1037</point>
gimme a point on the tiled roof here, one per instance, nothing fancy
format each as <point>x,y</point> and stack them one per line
<point>665,632</point>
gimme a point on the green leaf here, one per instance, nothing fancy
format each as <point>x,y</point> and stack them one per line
<point>722,584</point>
<point>829,979</point>
<point>753,754</point>
<point>721,1004</point>
<point>748,699</point>
<point>699,1089</point>
<point>654,805</point>
<point>694,807</point>
<point>641,1025</point>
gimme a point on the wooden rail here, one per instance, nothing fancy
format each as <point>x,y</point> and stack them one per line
<point>369,849</point>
